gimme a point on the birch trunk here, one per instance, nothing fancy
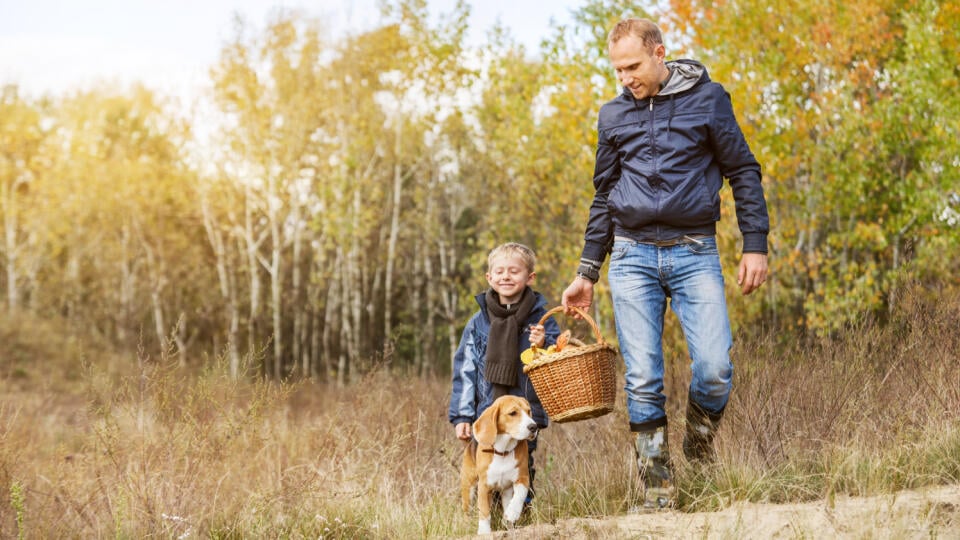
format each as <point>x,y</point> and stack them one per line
<point>394,234</point>
<point>319,349</point>
<point>297,310</point>
<point>355,288</point>
<point>346,350</point>
<point>448,295</point>
<point>11,247</point>
<point>331,309</point>
<point>225,280</point>
<point>128,285</point>
<point>416,303</point>
<point>251,246</point>
<point>157,285</point>
<point>276,295</point>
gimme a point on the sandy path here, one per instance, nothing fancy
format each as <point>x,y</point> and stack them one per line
<point>926,513</point>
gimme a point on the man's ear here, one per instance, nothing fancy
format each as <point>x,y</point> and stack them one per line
<point>485,428</point>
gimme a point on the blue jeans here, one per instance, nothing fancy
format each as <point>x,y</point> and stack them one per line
<point>642,277</point>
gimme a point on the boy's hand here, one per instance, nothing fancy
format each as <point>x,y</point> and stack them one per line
<point>538,335</point>
<point>463,431</point>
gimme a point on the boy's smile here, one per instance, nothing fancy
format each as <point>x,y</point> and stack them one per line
<point>509,276</point>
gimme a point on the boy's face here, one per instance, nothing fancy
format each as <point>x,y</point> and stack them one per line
<point>508,276</point>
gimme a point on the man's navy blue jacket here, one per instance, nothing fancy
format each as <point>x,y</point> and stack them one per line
<point>661,163</point>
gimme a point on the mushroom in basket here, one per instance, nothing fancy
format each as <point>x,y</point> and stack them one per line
<point>530,354</point>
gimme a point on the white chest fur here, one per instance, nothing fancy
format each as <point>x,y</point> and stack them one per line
<point>503,471</point>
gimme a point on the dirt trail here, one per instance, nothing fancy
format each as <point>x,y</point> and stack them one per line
<point>926,513</point>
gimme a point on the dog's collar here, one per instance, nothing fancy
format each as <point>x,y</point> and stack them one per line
<point>494,451</point>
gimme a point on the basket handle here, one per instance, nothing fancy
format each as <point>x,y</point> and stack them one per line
<point>582,313</point>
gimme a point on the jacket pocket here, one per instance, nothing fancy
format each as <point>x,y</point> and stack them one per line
<point>691,202</point>
<point>632,202</point>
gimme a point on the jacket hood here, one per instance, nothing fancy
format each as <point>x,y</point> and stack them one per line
<point>684,75</point>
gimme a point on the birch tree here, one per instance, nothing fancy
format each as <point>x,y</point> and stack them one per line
<point>270,88</point>
<point>22,136</point>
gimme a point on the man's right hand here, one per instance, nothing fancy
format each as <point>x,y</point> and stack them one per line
<point>578,294</point>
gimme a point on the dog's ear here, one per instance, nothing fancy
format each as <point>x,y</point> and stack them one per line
<point>485,428</point>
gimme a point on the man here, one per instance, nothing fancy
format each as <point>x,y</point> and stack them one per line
<point>665,145</point>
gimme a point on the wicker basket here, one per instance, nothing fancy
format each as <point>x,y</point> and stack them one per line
<point>578,382</point>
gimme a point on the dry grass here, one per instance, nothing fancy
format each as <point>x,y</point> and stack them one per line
<point>142,448</point>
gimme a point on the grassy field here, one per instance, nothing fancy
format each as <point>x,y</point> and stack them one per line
<point>97,445</point>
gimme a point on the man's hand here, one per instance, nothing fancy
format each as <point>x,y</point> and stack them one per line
<point>752,272</point>
<point>578,294</point>
<point>463,431</point>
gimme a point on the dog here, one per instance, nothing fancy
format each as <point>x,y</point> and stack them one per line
<point>497,459</point>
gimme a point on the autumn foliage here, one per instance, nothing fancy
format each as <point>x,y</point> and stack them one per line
<point>329,205</point>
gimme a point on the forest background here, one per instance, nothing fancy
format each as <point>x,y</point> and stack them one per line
<point>337,216</point>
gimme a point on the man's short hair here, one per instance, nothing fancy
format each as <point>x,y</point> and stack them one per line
<point>513,248</point>
<point>646,30</point>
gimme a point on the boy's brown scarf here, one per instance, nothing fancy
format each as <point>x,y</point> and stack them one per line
<point>506,325</point>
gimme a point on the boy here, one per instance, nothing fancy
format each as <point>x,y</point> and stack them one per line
<point>487,362</point>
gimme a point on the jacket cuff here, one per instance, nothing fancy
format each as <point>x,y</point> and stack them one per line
<point>589,270</point>
<point>594,252</point>
<point>755,242</point>
<point>461,420</point>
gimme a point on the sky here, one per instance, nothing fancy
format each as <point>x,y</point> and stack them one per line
<point>53,46</point>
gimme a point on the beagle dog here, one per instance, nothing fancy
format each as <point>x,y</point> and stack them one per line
<point>496,460</point>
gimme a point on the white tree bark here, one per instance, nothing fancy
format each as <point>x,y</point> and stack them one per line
<point>228,290</point>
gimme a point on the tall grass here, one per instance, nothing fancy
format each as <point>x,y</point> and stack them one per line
<point>98,445</point>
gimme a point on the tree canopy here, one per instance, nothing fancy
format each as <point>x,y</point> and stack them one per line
<point>340,214</point>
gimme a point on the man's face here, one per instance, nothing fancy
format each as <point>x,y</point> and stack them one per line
<point>638,68</point>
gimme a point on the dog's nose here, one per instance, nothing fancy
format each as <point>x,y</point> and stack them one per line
<point>533,429</point>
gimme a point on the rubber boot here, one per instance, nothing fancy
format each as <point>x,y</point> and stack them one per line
<point>653,460</point>
<point>699,433</point>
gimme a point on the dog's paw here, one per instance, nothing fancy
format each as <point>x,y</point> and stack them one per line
<point>484,526</point>
<point>512,512</point>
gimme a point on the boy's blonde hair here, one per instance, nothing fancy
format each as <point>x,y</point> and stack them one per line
<point>513,249</point>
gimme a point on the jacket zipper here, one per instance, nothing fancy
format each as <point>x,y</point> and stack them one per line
<point>655,155</point>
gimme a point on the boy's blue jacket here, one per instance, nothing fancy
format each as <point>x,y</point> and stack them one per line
<point>471,393</point>
<point>661,162</point>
